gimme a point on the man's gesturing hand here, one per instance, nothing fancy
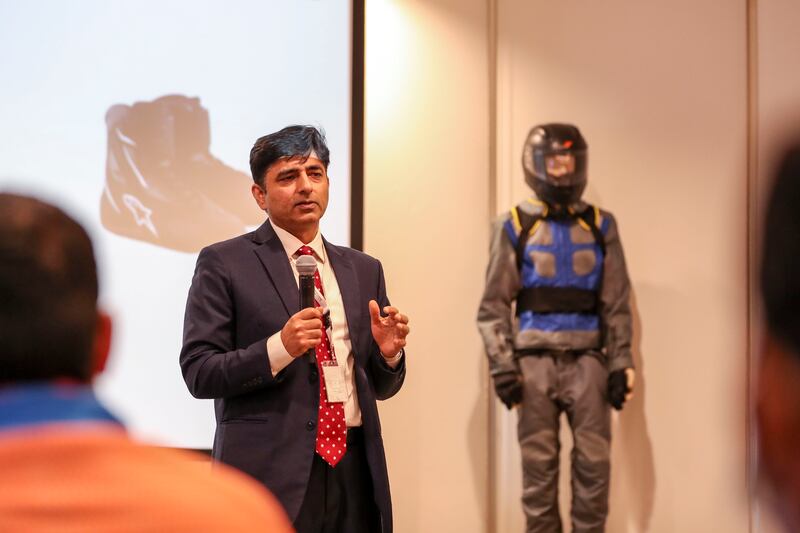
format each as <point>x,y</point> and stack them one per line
<point>302,331</point>
<point>390,331</point>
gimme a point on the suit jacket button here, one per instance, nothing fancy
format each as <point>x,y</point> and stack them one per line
<point>313,376</point>
<point>310,425</point>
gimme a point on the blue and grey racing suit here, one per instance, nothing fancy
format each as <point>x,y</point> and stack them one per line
<point>560,319</point>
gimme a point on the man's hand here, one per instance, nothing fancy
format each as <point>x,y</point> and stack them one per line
<point>620,387</point>
<point>508,387</point>
<point>302,331</point>
<point>390,331</point>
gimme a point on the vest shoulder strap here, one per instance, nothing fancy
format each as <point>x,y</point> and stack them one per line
<point>590,216</point>
<point>526,222</point>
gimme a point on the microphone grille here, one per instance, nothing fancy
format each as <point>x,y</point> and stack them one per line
<point>306,265</point>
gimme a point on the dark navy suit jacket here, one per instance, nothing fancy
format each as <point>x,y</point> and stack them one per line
<point>242,292</point>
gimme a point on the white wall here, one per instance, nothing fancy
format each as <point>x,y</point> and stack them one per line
<point>660,92</point>
<point>426,218</point>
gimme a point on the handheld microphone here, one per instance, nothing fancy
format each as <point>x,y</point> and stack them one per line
<point>306,266</point>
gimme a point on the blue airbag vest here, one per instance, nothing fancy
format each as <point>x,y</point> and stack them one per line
<point>560,299</point>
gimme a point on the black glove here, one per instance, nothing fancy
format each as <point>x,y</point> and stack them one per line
<point>508,387</point>
<point>617,388</point>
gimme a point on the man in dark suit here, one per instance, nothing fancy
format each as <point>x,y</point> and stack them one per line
<point>308,430</point>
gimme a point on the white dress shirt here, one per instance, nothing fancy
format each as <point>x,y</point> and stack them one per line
<point>279,358</point>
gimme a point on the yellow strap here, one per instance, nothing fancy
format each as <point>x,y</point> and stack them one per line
<point>535,227</point>
<point>583,223</point>
<point>515,220</point>
<point>515,216</point>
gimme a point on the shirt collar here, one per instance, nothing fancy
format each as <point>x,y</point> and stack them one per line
<point>46,403</point>
<point>291,243</point>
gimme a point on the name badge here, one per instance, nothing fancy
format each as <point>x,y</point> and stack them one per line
<point>333,374</point>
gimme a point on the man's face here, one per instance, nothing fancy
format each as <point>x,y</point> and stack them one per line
<point>295,193</point>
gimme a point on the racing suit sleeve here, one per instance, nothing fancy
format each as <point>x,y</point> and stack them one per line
<point>495,318</point>
<point>615,309</point>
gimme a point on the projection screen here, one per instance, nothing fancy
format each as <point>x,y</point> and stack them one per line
<point>137,118</point>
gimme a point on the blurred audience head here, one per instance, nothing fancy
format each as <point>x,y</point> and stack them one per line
<point>778,395</point>
<point>50,327</point>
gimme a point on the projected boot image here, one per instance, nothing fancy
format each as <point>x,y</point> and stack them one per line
<point>162,184</point>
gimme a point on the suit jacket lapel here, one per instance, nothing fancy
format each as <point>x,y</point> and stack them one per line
<point>272,255</point>
<point>348,287</point>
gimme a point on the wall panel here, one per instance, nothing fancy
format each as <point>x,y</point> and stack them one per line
<point>426,187</point>
<point>659,91</point>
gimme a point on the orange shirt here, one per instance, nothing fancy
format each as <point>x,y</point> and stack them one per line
<point>88,476</point>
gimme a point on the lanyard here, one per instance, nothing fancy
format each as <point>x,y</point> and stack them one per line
<point>327,323</point>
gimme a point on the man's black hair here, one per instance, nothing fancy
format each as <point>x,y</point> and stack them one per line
<point>780,267</point>
<point>291,141</point>
<point>48,293</point>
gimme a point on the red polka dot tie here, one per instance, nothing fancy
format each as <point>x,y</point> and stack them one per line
<point>331,427</point>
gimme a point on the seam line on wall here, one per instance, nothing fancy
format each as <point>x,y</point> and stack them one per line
<point>491,447</point>
<point>751,462</point>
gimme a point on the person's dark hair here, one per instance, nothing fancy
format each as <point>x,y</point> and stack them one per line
<point>780,267</point>
<point>290,142</point>
<point>48,293</point>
